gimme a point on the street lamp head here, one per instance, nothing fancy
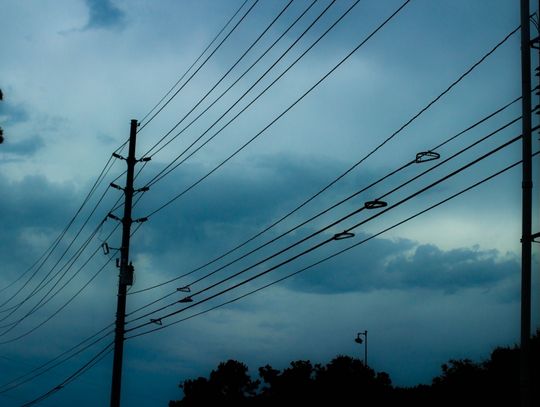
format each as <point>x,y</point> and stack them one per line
<point>358,339</point>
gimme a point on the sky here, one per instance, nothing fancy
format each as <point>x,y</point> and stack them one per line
<point>445,284</point>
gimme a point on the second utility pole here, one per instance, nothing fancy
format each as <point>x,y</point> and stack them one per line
<point>126,272</point>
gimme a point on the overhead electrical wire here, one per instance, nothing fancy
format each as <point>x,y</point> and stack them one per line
<point>348,230</point>
<point>194,62</point>
<point>62,307</point>
<point>56,361</point>
<point>319,231</point>
<point>246,71</point>
<point>172,166</point>
<point>484,180</point>
<point>214,260</point>
<point>74,376</point>
<point>203,98</point>
<point>200,66</point>
<point>43,283</point>
<point>48,296</point>
<point>48,252</point>
<point>309,250</point>
<point>281,114</point>
<point>309,91</point>
<point>225,92</point>
<point>72,260</point>
<point>66,267</point>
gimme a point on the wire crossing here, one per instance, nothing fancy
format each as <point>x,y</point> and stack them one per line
<point>371,237</point>
<point>319,231</point>
<point>170,201</point>
<point>452,138</point>
<point>200,67</point>
<point>312,248</point>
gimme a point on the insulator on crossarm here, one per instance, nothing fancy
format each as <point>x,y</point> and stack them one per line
<point>110,215</point>
<point>105,248</point>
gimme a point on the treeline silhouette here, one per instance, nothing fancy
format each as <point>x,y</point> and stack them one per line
<point>345,380</point>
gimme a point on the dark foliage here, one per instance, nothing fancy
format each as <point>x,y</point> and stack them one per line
<point>344,379</point>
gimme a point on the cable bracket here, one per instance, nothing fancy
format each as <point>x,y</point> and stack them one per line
<point>184,289</point>
<point>375,204</point>
<point>343,235</point>
<point>425,156</point>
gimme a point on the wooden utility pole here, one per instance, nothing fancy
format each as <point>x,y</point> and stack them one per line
<point>526,234</point>
<point>126,272</point>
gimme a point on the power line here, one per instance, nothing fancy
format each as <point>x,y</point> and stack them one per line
<point>74,376</point>
<point>220,80</point>
<point>335,254</point>
<point>66,267</point>
<point>236,81</point>
<point>194,62</point>
<point>200,66</point>
<point>172,166</point>
<point>225,92</point>
<point>319,231</point>
<point>431,103</point>
<point>484,119</point>
<point>281,114</point>
<point>48,252</point>
<point>40,285</point>
<point>59,359</point>
<point>318,245</point>
<point>64,305</point>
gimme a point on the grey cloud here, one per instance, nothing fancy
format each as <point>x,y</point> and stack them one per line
<point>387,264</point>
<point>24,148</point>
<point>104,14</point>
<point>33,212</point>
<point>451,270</point>
<point>202,226</point>
<point>228,208</point>
<point>13,114</point>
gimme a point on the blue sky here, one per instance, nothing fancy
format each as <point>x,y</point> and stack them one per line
<point>444,285</point>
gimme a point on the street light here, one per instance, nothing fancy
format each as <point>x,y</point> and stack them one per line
<point>359,340</point>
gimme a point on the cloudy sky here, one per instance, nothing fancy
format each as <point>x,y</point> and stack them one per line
<point>275,110</point>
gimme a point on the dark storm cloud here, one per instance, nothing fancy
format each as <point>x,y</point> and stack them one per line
<point>33,212</point>
<point>104,14</point>
<point>23,148</point>
<point>403,264</point>
<point>12,114</point>
<point>226,210</point>
<point>230,207</point>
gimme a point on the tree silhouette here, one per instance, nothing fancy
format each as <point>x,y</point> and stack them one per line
<point>294,385</point>
<point>345,380</point>
<point>229,384</point>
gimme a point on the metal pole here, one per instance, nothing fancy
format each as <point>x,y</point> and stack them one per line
<point>525,380</point>
<point>365,349</point>
<point>124,272</point>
